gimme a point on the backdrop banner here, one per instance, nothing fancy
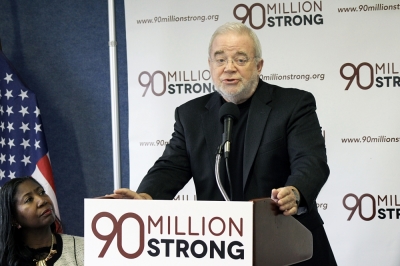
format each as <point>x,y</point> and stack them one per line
<point>345,52</point>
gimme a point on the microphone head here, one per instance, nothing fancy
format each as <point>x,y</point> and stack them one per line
<point>229,110</point>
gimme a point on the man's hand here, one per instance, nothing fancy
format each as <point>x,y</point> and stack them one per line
<point>125,193</point>
<point>286,199</point>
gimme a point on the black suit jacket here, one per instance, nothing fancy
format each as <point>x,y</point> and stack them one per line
<point>283,147</point>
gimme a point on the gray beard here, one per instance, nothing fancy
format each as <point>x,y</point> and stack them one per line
<point>245,93</point>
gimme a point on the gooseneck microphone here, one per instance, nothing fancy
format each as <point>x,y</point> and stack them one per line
<point>228,115</point>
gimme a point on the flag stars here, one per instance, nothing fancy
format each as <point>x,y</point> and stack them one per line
<point>10,126</point>
<point>8,94</point>
<point>9,110</point>
<point>24,127</point>
<point>37,111</point>
<point>22,141</point>
<point>37,144</point>
<point>23,94</point>
<point>11,160</point>
<point>26,160</point>
<point>11,175</point>
<point>8,77</point>
<point>2,158</point>
<point>37,128</point>
<point>25,143</point>
<point>2,142</point>
<point>24,111</point>
<point>11,143</point>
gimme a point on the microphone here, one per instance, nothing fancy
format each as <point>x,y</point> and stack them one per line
<point>228,114</point>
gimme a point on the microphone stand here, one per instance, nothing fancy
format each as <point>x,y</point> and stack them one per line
<point>217,176</point>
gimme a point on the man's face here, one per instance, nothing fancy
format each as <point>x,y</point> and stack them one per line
<point>236,83</point>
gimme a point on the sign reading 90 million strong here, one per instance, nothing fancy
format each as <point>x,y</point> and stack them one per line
<point>177,232</point>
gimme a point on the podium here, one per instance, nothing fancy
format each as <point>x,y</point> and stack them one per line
<point>160,232</point>
<point>278,239</point>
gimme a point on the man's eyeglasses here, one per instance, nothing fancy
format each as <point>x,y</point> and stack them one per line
<point>238,61</point>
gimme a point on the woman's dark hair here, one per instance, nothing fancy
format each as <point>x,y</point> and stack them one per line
<point>13,252</point>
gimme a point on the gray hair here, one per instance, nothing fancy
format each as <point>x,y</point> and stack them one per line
<point>238,28</point>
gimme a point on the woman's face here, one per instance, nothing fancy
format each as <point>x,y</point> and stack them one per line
<point>34,208</point>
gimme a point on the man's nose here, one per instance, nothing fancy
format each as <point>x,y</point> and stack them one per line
<point>230,65</point>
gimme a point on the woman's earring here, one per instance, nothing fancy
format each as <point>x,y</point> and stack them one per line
<point>16,225</point>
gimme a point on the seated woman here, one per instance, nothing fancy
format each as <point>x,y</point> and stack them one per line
<point>28,228</point>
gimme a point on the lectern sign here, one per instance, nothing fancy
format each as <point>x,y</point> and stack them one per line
<point>124,232</point>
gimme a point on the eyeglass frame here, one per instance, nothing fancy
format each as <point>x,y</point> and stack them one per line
<point>226,60</point>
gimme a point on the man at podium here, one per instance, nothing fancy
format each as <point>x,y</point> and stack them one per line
<point>275,149</point>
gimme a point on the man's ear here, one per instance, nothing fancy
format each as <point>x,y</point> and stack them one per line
<point>260,65</point>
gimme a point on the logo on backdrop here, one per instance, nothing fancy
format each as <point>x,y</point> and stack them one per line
<point>365,75</point>
<point>370,207</point>
<point>159,82</point>
<point>259,15</point>
<point>175,229</point>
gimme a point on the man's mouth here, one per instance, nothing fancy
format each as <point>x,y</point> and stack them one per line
<point>230,81</point>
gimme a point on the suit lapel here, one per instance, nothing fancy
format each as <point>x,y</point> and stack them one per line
<point>256,121</point>
<point>212,126</point>
<point>258,115</point>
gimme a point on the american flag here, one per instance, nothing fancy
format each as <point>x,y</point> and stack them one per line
<point>23,148</point>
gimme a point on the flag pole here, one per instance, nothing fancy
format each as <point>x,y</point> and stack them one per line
<point>114,96</point>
